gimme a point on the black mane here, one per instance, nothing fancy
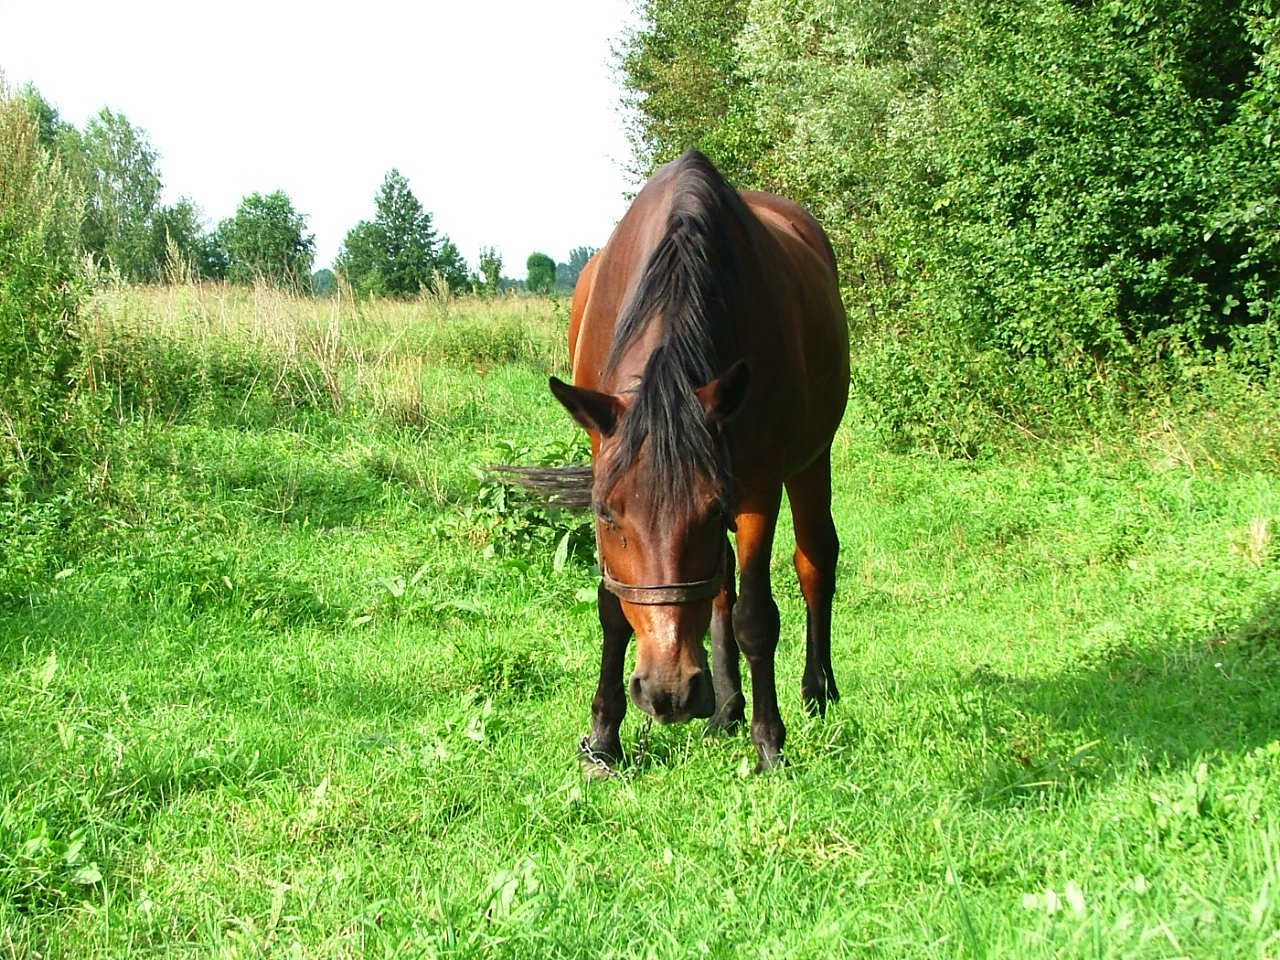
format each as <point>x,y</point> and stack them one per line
<point>691,284</point>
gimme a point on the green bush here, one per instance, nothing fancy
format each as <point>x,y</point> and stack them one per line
<point>42,287</point>
<point>1040,208</point>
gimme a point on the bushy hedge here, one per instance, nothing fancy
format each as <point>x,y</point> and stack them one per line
<point>1041,206</point>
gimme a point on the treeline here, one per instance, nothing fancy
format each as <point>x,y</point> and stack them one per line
<point>112,169</point>
<point>78,206</point>
<point>121,225</point>
<point>1032,200</point>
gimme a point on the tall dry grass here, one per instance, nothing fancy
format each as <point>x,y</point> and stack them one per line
<point>334,352</point>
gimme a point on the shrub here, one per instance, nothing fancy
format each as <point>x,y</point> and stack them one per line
<point>42,287</point>
<point>1024,196</point>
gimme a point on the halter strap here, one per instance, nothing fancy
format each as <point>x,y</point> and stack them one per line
<point>664,594</point>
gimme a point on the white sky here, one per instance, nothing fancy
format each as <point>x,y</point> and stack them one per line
<point>503,114</point>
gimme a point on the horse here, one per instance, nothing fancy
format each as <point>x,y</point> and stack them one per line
<point>710,364</point>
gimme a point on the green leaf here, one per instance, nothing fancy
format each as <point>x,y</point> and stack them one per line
<point>87,876</point>
<point>562,553</point>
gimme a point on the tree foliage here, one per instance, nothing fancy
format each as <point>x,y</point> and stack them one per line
<point>685,85</point>
<point>123,193</point>
<point>124,227</point>
<point>266,241</point>
<point>451,267</point>
<point>490,270</point>
<point>541,276</point>
<point>1024,194</point>
<point>398,253</point>
<point>324,283</point>
<point>567,273</point>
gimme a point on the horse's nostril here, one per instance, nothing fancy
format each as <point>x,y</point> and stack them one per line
<point>692,697</point>
<point>702,695</point>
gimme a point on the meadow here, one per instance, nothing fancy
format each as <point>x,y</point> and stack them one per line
<point>284,672</point>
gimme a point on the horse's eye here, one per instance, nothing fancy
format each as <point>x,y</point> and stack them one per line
<point>605,514</point>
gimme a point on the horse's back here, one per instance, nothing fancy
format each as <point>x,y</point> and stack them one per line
<point>578,308</point>
<point>793,335</point>
<point>785,214</point>
<point>800,361</point>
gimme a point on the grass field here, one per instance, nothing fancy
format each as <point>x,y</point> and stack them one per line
<point>281,675</point>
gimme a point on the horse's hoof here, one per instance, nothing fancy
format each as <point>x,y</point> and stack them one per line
<point>767,764</point>
<point>724,728</point>
<point>596,764</point>
<point>596,769</point>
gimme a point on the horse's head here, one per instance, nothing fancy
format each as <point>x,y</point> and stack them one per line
<point>662,540</point>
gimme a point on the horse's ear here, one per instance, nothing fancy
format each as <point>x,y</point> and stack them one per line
<point>595,411</point>
<point>723,397</point>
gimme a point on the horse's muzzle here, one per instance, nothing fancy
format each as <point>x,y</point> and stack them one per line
<point>674,699</point>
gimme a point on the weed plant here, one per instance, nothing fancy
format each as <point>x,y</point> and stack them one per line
<point>282,675</point>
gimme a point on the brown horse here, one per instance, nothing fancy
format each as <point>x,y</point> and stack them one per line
<point>711,368</point>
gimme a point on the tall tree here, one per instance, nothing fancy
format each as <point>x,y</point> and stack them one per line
<point>398,253</point>
<point>490,269</point>
<point>681,70</point>
<point>123,194</point>
<point>176,248</point>
<point>114,168</point>
<point>324,283</point>
<point>52,128</point>
<point>541,277</point>
<point>451,268</point>
<point>266,240</point>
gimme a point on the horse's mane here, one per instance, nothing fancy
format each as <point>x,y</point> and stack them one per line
<point>691,284</point>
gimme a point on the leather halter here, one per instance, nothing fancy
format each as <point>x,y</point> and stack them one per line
<point>665,594</point>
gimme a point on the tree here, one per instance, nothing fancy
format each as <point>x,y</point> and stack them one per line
<point>265,240</point>
<point>567,273</point>
<point>123,193</point>
<point>450,267</point>
<point>685,88</point>
<point>491,269</point>
<point>324,283</point>
<point>360,260</point>
<point>212,262</point>
<point>175,248</point>
<point>398,253</point>
<point>541,273</point>
<point>52,128</point>
<point>1028,199</point>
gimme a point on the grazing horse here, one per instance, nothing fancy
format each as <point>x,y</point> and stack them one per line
<point>710,362</point>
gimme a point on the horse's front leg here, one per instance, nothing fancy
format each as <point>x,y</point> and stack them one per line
<point>610,703</point>
<point>726,674</point>
<point>756,624</point>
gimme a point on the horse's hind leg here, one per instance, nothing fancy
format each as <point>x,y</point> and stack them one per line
<point>817,550</point>
<point>726,672</point>
<point>610,703</point>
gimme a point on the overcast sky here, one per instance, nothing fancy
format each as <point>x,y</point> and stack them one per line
<point>504,115</point>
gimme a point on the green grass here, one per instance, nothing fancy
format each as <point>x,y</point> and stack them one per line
<point>284,679</point>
